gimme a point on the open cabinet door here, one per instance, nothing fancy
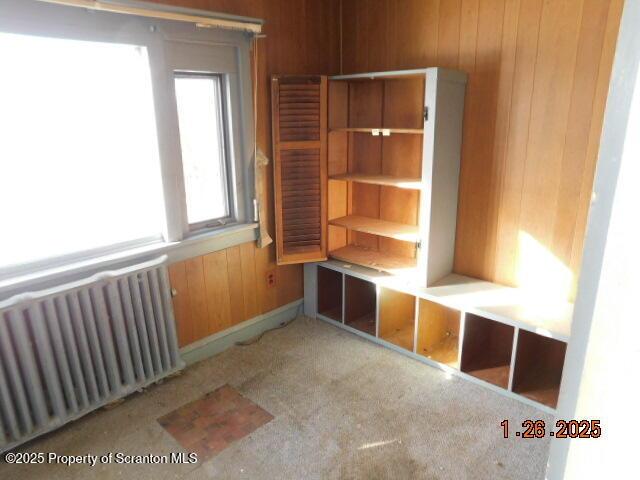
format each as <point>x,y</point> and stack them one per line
<point>299,124</point>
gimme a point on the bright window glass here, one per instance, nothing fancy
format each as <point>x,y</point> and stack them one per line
<point>200,117</point>
<point>79,166</point>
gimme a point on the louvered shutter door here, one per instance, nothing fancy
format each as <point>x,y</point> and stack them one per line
<point>299,110</point>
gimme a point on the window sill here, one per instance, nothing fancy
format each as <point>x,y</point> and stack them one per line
<point>194,246</point>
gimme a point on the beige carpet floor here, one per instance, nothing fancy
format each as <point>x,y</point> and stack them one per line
<point>344,408</point>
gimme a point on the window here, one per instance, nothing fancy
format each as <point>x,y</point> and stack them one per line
<point>202,142</point>
<point>118,132</point>
<point>79,160</point>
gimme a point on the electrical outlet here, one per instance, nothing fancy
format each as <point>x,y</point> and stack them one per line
<point>271,278</point>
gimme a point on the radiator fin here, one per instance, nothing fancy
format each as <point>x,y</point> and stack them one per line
<point>71,351</point>
<point>67,351</point>
<point>132,333</point>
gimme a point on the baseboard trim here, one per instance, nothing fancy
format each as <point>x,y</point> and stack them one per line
<point>219,342</point>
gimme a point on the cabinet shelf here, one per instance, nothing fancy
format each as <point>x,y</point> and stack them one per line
<point>380,261</point>
<point>438,333</point>
<point>538,368</point>
<point>371,130</point>
<point>330,293</point>
<point>360,305</point>
<point>375,226</point>
<point>384,180</point>
<point>486,350</point>
<point>396,318</point>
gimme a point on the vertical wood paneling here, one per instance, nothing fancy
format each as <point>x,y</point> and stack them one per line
<point>591,39</point>
<point>449,33</point>
<point>181,302</point>
<point>506,72</point>
<point>265,264</point>
<point>290,288</point>
<point>548,125</point>
<point>508,215</point>
<point>597,116</point>
<point>479,137</point>
<point>217,291</point>
<point>236,291</point>
<point>538,75</point>
<point>197,289</point>
<point>248,266</point>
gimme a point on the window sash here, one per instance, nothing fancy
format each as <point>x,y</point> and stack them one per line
<point>227,168</point>
<point>228,54</point>
<point>58,261</point>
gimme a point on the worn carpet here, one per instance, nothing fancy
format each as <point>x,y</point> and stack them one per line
<point>342,407</point>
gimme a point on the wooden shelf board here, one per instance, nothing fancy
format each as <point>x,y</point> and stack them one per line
<point>540,384</point>
<point>402,338</point>
<point>384,180</point>
<point>508,305</point>
<point>512,306</point>
<point>380,261</point>
<point>445,351</point>
<point>333,313</point>
<point>416,72</point>
<point>375,226</point>
<point>366,324</point>
<point>495,375</point>
<point>547,396</point>
<point>414,131</point>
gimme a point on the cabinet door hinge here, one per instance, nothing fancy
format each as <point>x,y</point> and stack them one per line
<point>419,244</point>
<point>426,114</point>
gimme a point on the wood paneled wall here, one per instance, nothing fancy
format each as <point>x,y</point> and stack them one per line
<point>538,79</point>
<point>226,287</point>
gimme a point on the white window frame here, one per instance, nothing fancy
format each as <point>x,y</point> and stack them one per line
<point>227,161</point>
<point>171,46</point>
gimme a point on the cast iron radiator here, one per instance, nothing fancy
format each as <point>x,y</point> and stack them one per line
<point>69,350</point>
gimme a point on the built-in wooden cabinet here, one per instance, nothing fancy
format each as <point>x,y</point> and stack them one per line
<point>330,293</point>
<point>486,350</point>
<point>397,312</point>
<point>392,167</point>
<point>366,183</point>
<point>439,333</point>
<point>490,334</point>
<point>538,367</point>
<point>360,305</point>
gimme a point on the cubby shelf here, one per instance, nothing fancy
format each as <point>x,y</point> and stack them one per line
<point>371,130</point>
<point>330,293</point>
<point>486,350</point>
<point>375,226</point>
<point>519,351</point>
<point>380,261</point>
<point>383,180</point>
<point>397,318</point>
<point>360,305</point>
<point>438,333</point>
<point>398,290</point>
<point>508,305</point>
<point>538,367</point>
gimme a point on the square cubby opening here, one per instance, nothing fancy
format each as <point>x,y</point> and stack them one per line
<point>438,333</point>
<point>397,318</point>
<point>486,350</point>
<point>538,367</point>
<point>360,305</point>
<point>330,293</point>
